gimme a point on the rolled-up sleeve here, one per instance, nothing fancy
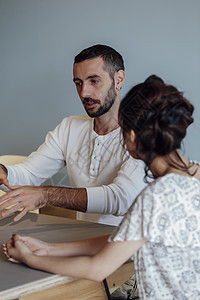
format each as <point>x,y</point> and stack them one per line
<point>117,197</point>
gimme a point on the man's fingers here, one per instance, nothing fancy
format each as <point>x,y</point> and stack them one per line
<point>13,205</point>
<point>7,204</point>
<point>6,183</point>
<point>12,209</point>
<point>14,192</point>
<point>10,199</point>
<point>22,197</point>
<point>21,215</point>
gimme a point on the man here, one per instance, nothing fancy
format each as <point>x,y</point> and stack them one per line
<point>104,178</point>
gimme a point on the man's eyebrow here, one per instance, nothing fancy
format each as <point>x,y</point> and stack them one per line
<point>75,79</point>
<point>89,77</point>
<point>93,76</point>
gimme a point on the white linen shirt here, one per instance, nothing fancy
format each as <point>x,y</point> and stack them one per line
<point>98,163</point>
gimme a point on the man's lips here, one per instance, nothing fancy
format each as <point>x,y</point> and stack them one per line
<point>90,104</point>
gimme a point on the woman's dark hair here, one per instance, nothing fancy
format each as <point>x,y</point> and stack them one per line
<point>159,114</point>
<point>113,61</point>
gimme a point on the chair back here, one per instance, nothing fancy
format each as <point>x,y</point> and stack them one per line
<point>11,159</point>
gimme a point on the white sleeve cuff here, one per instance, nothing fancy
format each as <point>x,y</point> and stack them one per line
<point>95,200</point>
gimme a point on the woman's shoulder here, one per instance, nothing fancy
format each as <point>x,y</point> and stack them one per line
<point>171,210</point>
<point>171,190</point>
<point>173,181</point>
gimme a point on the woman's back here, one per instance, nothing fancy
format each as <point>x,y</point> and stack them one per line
<point>167,214</point>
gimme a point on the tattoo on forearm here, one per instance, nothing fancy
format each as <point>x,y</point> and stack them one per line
<point>71,198</point>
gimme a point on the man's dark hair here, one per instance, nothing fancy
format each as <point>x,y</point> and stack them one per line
<point>113,61</point>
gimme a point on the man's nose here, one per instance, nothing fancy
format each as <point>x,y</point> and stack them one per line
<point>85,91</point>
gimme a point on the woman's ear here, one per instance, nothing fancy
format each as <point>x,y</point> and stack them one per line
<point>132,136</point>
<point>130,141</point>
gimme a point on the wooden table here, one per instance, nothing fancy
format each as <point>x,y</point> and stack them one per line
<point>18,281</point>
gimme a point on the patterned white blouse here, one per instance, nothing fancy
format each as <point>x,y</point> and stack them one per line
<point>167,214</point>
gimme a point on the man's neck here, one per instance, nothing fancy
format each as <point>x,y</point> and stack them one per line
<point>105,126</point>
<point>107,122</point>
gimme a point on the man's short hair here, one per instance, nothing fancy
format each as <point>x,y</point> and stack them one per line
<point>113,61</point>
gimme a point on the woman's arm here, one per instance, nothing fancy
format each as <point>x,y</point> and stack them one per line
<point>84,247</point>
<point>88,247</point>
<point>96,267</point>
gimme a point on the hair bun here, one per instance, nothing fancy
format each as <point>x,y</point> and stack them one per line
<point>159,114</point>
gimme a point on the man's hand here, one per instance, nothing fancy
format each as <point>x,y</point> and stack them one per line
<point>26,198</point>
<point>3,176</point>
<point>30,198</point>
<point>37,247</point>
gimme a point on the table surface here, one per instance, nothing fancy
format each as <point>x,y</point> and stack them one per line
<point>17,279</point>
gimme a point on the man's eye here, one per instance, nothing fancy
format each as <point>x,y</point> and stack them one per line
<point>95,81</point>
<point>78,83</point>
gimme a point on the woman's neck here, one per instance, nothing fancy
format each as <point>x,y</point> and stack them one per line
<point>162,165</point>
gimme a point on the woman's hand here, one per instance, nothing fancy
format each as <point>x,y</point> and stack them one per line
<point>16,250</point>
<point>12,248</point>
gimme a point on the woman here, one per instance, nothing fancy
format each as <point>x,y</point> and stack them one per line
<point>161,230</point>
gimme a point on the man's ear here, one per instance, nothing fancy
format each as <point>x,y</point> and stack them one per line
<point>119,79</point>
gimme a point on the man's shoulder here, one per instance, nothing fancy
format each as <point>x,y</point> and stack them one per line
<point>77,119</point>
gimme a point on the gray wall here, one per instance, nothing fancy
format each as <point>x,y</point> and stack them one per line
<point>39,39</point>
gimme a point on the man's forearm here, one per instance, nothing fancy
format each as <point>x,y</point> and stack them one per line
<point>71,198</point>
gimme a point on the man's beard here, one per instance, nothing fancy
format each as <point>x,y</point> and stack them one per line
<point>109,101</point>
